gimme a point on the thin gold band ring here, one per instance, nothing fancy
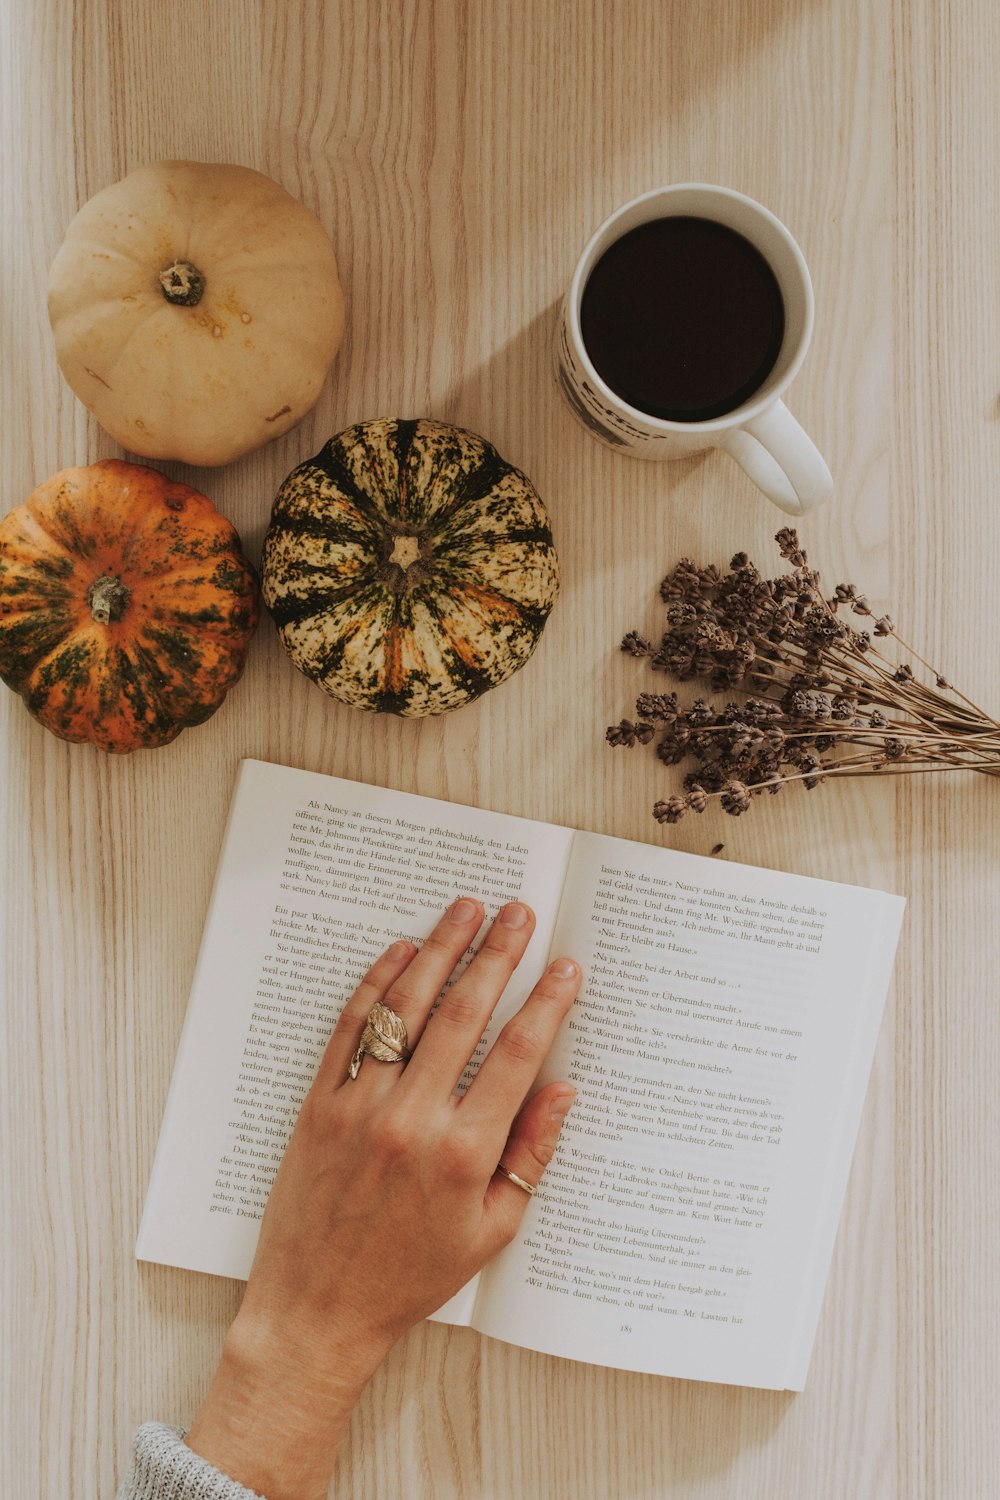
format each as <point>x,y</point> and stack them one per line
<point>514,1178</point>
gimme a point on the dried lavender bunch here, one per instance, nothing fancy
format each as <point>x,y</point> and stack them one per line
<point>822,698</point>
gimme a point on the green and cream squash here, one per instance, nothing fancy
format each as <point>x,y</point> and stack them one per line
<point>408,567</point>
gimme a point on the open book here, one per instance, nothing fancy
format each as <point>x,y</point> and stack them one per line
<point>720,1045</point>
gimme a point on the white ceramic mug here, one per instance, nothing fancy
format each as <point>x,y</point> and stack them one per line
<point>761,434</point>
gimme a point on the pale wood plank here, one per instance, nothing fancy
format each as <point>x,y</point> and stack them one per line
<point>946,450</point>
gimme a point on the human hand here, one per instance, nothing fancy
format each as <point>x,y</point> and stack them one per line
<point>387,1200</point>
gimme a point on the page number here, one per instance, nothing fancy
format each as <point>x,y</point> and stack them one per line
<point>625,1328</point>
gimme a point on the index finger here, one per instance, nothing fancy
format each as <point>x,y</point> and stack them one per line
<point>512,1064</point>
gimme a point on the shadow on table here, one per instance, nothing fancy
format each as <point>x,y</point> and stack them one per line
<point>514,399</point>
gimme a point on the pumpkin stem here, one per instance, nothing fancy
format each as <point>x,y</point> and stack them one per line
<point>406,550</point>
<point>107,598</point>
<point>182,283</point>
<point>405,559</point>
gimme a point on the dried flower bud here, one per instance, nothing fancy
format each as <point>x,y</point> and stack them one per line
<point>678,660</point>
<point>661,708</point>
<point>903,673</point>
<point>671,810</point>
<point>670,588</point>
<point>940,682</point>
<point>877,719</point>
<point>671,750</point>
<point>683,582</point>
<point>635,645</point>
<point>681,612</point>
<point>894,749</point>
<point>844,592</point>
<point>884,626</point>
<point>860,605</point>
<point>809,705</point>
<point>811,766</point>
<point>738,560</point>
<point>751,740</point>
<point>628,734</point>
<point>697,798</point>
<point>788,545</point>
<point>735,798</point>
<point>761,710</point>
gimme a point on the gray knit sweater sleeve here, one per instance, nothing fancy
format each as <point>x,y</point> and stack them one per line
<point>164,1468</point>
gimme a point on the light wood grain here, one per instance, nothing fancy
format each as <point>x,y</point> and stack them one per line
<point>460,154</point>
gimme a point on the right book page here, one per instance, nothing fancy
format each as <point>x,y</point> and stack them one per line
<point>721,1046</point>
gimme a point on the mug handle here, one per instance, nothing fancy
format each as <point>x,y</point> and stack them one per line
<point>781,459</point>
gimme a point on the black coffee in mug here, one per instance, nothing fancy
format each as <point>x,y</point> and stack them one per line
<point>683,318</point>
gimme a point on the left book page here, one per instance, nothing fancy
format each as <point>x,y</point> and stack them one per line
<point>317,876</point>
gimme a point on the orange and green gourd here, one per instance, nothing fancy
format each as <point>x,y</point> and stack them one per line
<point>126,605</point>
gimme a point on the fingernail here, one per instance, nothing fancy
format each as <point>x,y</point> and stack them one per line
<point>564,968</point>
<point>463,911</point>
<point>398,950</point>
<point>560,1107</point>
<point>514,915</point>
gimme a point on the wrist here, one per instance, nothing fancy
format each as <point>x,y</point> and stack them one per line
<point>275,1416</point>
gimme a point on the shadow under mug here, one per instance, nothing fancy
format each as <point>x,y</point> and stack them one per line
<point>761,434</point>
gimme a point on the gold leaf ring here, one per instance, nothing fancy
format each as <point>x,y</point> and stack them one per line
<point>384,1038</point>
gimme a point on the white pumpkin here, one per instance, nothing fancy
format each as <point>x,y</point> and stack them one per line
<point>196,310</point>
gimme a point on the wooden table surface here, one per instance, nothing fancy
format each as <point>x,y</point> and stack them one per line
<point>459,155</point>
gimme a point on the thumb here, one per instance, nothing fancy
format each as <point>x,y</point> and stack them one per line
<point>530,1147</point>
